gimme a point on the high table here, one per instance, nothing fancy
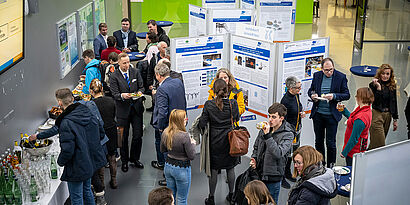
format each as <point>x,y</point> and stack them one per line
<point>142,35</point>
<point>136,56</point>
<point>344,179</point>
<point>364,70</point>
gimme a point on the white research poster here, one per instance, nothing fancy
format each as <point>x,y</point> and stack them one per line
<point>198,59</point>
<point>247,4</point>
<point>301,59</point>
<point>219,4</point>
<point>225,20</point>
<point>67,44</point>
<point>278,15</point>
<point>250,64</point>
<point>197,21</point>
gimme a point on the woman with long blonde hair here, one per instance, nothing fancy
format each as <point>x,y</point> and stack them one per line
<point>180,149</point>
<point>257,193</point>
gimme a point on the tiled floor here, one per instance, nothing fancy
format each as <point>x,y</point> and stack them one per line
<point>336,22</point>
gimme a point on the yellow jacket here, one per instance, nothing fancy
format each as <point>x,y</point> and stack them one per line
<point>239,96</point>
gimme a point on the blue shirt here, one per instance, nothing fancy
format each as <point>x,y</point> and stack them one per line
<point>323,107</point>
<point>125,38</point>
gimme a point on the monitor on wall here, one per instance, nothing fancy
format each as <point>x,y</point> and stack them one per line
<point>11,33</point>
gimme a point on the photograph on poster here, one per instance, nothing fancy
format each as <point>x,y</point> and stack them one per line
<point>208,59</point>
<point>63,36</point>
<point>250,62</point>
<point>312,63</point>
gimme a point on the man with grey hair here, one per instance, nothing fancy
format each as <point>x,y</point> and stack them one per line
<point>81,152</point>
<point>169,95</point>
<point>291,101</point>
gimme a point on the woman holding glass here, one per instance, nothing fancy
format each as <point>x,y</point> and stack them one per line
<point>180,150</point>
<point>384,106</point>
<point>316,184</point>
<point>358,125</point>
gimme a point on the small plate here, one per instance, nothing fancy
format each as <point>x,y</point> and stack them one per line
<point>320,98</point>
<point>44,127</point>
<point>341,170</point>
<point>139,55</point>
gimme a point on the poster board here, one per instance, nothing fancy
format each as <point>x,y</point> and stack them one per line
<point>86,27</point>
<point>381,176</point>
<point>301,59</point>
<point>220,4</point>
<point>255,32</point>
<point>67,44</point>
<point>221,21</point>
<point>247,4</point>
<point>278,15</point>
<point>252,63</point>
<point>99,14</point>
<point>198,59</point>
<point>197,21</point>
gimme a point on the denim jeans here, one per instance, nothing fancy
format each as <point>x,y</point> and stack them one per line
<point>81,191</point>
<point>179,180</point>
<point>325,126</point>
<point>274,189</point>
<point>160,156</point>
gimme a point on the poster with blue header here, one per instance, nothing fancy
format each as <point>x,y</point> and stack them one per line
<point>197,21</point>
<point>220,4</point>
<point>247,4</point>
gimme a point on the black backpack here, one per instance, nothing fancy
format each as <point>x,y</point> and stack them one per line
<point>240,184</point>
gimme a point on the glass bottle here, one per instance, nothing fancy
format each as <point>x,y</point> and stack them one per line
<point>8,192</point>
<point>17,151</point>
<point>33,189</point>
<point>53,168</point>
<point>18,198</point>
<point>2,186</point>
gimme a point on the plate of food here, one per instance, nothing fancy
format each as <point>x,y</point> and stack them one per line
<point>139,55</point>
<point>136,96</point>
<point>341,170</point>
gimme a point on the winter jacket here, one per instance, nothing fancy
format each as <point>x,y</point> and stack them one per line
<point>92,72</point>
<point>270,152</point>
<point>318,189</point>
<point>162,36</point>
<point>236,94</point>
<point>81,152</point>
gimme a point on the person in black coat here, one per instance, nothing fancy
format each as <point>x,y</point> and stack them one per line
<point>81,152</point>
<point>153,27</point>
<point>317,184</point>
<point>123,83</point>
<point>126,39</point>
<point>218,113</point>
<point>407,113</point>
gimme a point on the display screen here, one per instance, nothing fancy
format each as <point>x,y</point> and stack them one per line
<point>11,33</point>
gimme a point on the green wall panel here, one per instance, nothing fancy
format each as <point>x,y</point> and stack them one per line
<point>304,11</point>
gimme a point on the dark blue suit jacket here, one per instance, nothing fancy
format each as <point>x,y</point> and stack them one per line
<point>132,41</point>
<point>338,87</point>
<point>170,95</point>
<point>99,45</point>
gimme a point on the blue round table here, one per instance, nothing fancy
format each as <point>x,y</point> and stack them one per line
<point>164,23</point>
<point>364,70</point>
<point>136,56</point>
<point>142,35</point>
<point>344,179</point>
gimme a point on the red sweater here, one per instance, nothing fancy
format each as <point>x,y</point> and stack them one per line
<point>107,51</point>
<point>364,114</point>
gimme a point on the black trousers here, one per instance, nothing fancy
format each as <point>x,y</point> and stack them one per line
<point>325,127</point>
<point>112,142</point>
<point>135,119</point>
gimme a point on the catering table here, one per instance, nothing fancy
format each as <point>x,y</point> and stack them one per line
<point>344,179</point>
<point>136,56</point>
<point>365,70</point>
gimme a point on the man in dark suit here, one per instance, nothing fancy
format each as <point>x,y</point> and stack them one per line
<point>100,42</point>
<point>331,85</point>
<point>126,39</point>
<point>169,95</point>
<point>125,82</point>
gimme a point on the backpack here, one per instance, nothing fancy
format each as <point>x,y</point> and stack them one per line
<point>106,69</point>
<point>240,184</point>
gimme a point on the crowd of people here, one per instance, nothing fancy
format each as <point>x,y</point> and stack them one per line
<point>92,132</point>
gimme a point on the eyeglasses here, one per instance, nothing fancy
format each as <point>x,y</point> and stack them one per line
<point>297,88</point>
<point>297,162</point>
<point>327,70</point>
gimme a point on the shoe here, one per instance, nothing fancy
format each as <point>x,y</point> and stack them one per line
<point>113,172</point>
<point>156,165</point>
<point>162,182</point>
<point>285,184</point>
<point>229,198</point>
<point>107,165</point>
<point>150,109</point>
<point>100,199</point>
<point>138,164</point>
<point>210,200</point>
<point>124,167</point>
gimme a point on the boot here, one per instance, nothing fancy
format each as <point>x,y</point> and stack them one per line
<point>113,172</point>
<point>101,176</point>
<point>285,184</point>
<point>100,199</point>
<point>288,174</point>
<point>229,198</point>
<point>210,200</point>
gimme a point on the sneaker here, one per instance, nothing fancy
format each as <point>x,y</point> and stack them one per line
<point>285,184</point>
<point>210,200</point>
<point>156,165</point>
<point>100,199</point>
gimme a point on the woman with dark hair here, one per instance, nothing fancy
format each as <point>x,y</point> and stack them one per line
<point>233,88</point>
<point>384,106</point>
<point>317,184</point>
<point>358,125</point>
<point>220,112</point>
<point>151,49</point>
<point>180,150</point>
<point>257,193</point>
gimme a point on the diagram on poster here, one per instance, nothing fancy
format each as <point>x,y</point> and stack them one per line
<point>302,59</point>
<point>226,20</point>
<point>248,4</point>
<point>198,59</point>
<point>250,62</point>
<point>197,21</point>
<point>219,4</point>
<point>86,26</point>
<point>278,15</point>
<point>67,42</point>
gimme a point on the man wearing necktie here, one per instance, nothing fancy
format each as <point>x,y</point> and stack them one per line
<point>123,83</point>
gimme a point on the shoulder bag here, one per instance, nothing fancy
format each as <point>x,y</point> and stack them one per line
<point>238,139</point>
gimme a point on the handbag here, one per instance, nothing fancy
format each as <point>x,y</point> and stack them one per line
<point>238,139</point>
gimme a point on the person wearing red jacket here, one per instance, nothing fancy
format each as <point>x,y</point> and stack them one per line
<point>111,42</point>
<point>358,125</point>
